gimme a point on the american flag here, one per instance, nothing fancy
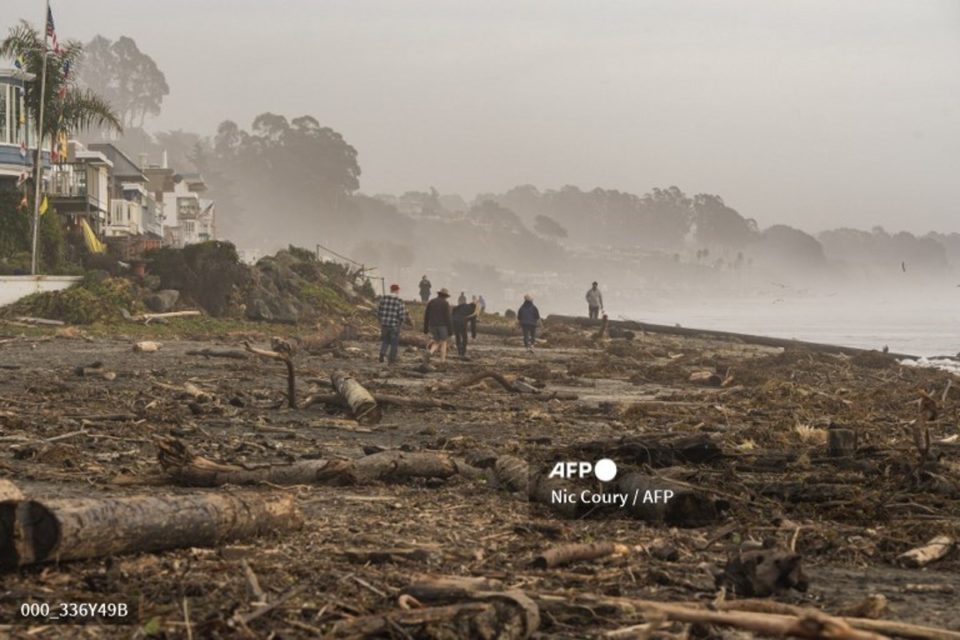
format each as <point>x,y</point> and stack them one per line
<point>52,31</point>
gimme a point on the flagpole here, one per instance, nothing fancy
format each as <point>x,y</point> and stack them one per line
<point>38,168</point>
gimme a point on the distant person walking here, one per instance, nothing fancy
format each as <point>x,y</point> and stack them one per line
<point>392,313</point>
<point>463,298</point>
<point>594,302</point>
<point>438,323</point>
<point>463,314</point>
<point>529,317</point>
<point>482,303</point>
<point>473,321</point>
<point>424,289</point>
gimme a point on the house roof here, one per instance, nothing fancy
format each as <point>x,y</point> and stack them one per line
<point>123,166</point>
<point>15,77</point>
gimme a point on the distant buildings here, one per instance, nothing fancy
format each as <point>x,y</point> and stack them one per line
<point>145,206</point>
<point>132,205</point>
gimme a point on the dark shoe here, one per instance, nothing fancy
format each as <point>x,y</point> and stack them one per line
<point>381,358</point>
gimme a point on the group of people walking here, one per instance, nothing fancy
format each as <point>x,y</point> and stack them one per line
<point>441,319</point>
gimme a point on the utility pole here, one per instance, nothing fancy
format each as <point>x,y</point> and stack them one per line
<point>38,165</point>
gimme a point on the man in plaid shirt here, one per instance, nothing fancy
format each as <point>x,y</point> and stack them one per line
<point>392,313</point>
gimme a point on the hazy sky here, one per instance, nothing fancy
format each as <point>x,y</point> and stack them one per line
<point>812,113</point>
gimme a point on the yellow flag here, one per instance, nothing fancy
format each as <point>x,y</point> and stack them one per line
<point>44,205</point>
<point>90,239</point>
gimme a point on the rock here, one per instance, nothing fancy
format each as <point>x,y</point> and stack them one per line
<point>272,307</point>
<point>162,301</point>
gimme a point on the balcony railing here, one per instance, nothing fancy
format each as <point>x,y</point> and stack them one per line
<point>69,181</point>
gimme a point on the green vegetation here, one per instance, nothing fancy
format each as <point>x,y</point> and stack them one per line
<point>206,274</point>
<point>98,298</point>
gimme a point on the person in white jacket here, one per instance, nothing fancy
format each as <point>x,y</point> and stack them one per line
<point>594,302</point>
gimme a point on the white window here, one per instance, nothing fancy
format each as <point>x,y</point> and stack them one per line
<point>6,115</point>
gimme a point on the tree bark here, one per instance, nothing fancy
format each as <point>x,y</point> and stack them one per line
<point>76,528</point>
<point>364,407</point>
<point>841,442</point>
<point>186,469</point>
<point>934,550</point>
<point>474,379</point>
<point>569,553</point>
<point>9,491</point>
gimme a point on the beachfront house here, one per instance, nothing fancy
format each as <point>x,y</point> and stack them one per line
<point>190,218</point>
<point>79,187</point>
<point>15,155</point>
<point>134,225</point>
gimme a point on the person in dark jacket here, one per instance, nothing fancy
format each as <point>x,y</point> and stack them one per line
<point>438,323</point>
<point>463,314</point>
<point>424,289</point>
<point>529,317</point>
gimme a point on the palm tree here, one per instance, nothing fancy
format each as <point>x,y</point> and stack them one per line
<point>67,108</point>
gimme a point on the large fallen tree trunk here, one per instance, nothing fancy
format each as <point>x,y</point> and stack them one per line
<point>186,469</point>
<point>765,341</point>
<point>362,404</point>
<point>76,528</point>
<point>9,491</point>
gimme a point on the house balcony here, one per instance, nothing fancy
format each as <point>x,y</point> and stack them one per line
<point>69,191</point>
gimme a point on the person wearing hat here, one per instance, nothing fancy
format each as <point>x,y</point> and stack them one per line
<point>594,302</point>
<point>392,313</point>
<point>529,317</point>
<point>438,323</point>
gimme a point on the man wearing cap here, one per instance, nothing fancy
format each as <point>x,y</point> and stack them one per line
<point>438,323</point>
<point>392,313</point>
<point>594,302</point>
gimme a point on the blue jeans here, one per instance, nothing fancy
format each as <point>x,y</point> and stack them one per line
<point>389,337</point>
<point>529,334</point>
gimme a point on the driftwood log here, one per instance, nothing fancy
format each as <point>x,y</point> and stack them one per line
<point>747,338</point>
<point>285,358</point>
<point>233,354</point>
<point>186,469</point>
<point>570,553</point>
<point>479,377</point>
<point>934,550</point>
<point>335,400</point>
<point>75,528</point>
<point>9,491</point>
<point>362,404</point>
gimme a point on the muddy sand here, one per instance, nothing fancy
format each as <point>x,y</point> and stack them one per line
<point>840,520</point>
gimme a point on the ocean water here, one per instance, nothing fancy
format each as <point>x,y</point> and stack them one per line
<point>921,323</point>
